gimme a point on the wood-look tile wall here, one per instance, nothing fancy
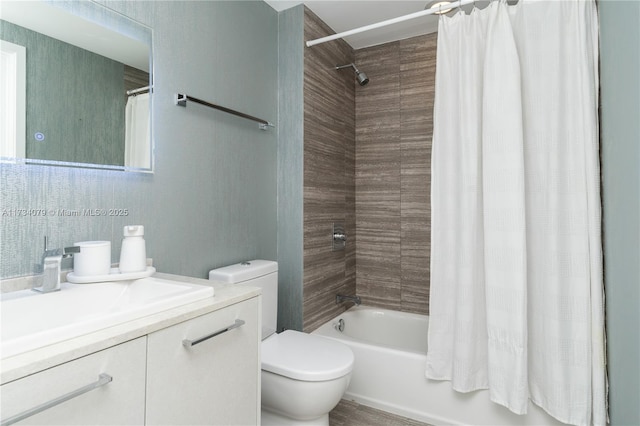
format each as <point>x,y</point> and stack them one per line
<point>393,153</point>
<point>329,174</point>
<point>367,153</point>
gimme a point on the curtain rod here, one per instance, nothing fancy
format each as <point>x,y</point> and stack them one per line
<point>389,22</point>
<point>140,90</point>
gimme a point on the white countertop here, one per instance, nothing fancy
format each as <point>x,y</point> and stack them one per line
<point>27,363</point>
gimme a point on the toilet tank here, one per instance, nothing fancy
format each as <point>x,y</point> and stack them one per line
<point>255,273</point>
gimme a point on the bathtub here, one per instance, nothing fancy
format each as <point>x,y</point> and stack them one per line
<point>390,356</point>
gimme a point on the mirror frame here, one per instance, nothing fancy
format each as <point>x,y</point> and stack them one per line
<point>101,15</point>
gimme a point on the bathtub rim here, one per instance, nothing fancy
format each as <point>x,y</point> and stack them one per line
<point>334,334</point>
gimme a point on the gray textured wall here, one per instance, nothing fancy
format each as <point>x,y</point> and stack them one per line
<point>620,151</point>
<point>290,168</point>
<point>212,198</point>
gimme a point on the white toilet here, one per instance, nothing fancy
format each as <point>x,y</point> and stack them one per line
<point>303,375</point>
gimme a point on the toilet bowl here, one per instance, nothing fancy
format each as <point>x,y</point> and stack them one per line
<point>303,376</point>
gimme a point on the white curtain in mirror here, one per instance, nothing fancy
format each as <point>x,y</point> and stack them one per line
<point>12,100</point>
<point>137,150</point>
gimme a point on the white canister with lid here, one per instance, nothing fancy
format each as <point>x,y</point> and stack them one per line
<point>133,254</point>
<point>94,258</point>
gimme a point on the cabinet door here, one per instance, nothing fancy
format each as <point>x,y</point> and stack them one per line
<point>214,382</point>
<point>119,401</point>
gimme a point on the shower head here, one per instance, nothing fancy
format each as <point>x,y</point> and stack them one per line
<point>360,76</point>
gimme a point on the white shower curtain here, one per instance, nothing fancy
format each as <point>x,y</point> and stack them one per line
<point>137,146</point>
<point>516,302</point>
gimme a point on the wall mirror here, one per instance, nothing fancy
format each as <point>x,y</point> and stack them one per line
<point>74,86</point>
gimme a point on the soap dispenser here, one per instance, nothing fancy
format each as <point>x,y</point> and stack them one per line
<point>133,255</point>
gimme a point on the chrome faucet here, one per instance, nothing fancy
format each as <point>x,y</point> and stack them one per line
<point>51,265</point>
<point>341,298</point>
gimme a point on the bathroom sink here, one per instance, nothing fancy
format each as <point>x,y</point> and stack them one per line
<point>32,320</point>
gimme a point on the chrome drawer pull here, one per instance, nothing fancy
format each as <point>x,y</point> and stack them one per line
<point>103,379</point>
<point>189,343</point>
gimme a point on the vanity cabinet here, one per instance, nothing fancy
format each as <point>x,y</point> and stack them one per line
<point>119,401</point>
<point>201,366</point>
<point>206,370</point>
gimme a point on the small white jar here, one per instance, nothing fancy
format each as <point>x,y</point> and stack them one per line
<point>94,258</point>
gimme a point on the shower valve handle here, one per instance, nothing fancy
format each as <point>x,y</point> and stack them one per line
<point>340,236</point>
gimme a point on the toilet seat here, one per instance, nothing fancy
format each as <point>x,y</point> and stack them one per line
<point>306,357</point>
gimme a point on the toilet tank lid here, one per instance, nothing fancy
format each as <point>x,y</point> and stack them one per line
<point>243,271</point>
